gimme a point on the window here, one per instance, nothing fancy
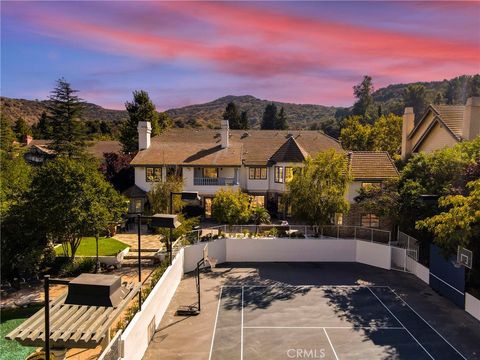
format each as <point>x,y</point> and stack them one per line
<point>153,174</point>
<point>258,201</point>
<point>174,171</point>
<point>257,173</point>
<point>370,220</point>
<point>210,172</point>
<point>278,174</point>
<point>208,207</point>
<point>338,219</point>
<point>288,174</point>
<point>138,205</point>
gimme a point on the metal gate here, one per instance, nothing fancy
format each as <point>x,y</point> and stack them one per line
<point>399,258</point>
<point>446,277</point>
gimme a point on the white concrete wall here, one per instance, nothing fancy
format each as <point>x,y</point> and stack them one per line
<point>420,271</point>
<point>135,339</point>
<point>193,253</point>
<point>374,254</point>
<point>268,250</point>
<point>399,257</point>
<point>472,306</point>
<point>140,179</point>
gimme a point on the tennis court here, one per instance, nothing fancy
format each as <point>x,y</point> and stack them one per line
<point>322,322</point>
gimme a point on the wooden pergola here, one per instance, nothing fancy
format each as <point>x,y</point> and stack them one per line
<point>72,326</point>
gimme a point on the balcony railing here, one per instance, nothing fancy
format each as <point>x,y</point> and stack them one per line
<point>221,181</point>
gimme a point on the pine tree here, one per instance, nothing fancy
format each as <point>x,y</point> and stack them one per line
<point>474,88</point>
<point>281,123</point>
<point>21,129</point>
<point>452,92</point>
<point>363,93</point>
<point>231,114</point>
<point>438,99</point>
<point>43,129</point>
<point>269,118</point>
<point>244,120</point>
<point>7,136</point>
<point>65,109</point>
<point>140,109</point>
<point>414,96</point>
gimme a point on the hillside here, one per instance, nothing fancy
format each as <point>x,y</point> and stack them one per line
<point>209,114</point>
<point>31,110</point>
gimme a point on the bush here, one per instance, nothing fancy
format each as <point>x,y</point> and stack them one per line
<point>77,267</point>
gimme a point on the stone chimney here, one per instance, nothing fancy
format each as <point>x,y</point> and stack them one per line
<point>225,134</point>
<point>144,130</point>
<point>27,139</point>
<point>407,127</point>
<point>471,119</point>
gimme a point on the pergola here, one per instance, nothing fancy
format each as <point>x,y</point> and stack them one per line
<point>72,325</point>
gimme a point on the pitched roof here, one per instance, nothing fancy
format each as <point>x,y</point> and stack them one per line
<point>290,151</point>
<point>95,148</point>
<point>133,192</point>
<point>250,147</point>
<point>366,165</point>
<point>452,117</point>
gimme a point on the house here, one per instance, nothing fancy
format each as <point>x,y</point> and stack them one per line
<point>259,162</point>
<point>440,126</point>
<point>38,150</point>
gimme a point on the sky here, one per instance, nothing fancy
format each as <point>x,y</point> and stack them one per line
<point>185,53</point>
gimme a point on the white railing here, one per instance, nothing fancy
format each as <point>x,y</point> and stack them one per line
<point>221,181</point>
<point>291,231</point>
<point>409,243</point>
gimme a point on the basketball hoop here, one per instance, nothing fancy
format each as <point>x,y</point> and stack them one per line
<point>464,257</point>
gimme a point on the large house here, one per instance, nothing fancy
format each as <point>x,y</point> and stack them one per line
<point>440,126</point>
<point>259,162</point>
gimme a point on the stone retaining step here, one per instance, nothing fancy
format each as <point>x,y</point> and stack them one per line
<point>135,256</point>
<point>143,250</point>
<point>134,262</point>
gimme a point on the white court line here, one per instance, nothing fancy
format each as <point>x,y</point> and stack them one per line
<point>215,326</point>
<point>454,288</point>
<point>325,327</point>
<point>426,322</point>
<point>241,332</point>
<point>305,286</point>
<point>331,345</point>
<point>414,338</point>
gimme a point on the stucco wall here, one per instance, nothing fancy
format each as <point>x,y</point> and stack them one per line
<point>438,138</point>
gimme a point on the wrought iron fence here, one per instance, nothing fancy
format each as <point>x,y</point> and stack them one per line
<point>409,243</point>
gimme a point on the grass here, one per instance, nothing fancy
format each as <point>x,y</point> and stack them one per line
<point>10,319</point>
<point>106,247</point>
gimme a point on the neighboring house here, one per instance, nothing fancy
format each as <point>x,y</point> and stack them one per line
<point>440,126</point>
<point>38,150</point>
<point>259,162</point>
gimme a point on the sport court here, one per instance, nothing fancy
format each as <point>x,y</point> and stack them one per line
<point>313,311</point>
<point>325,322</point>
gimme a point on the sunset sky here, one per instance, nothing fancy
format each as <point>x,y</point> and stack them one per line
<point>191,52</point>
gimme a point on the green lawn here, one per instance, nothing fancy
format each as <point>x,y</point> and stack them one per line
<point>106,247</point>
<point>10,319</point>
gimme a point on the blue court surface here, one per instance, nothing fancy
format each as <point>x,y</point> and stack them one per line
<point>322,322</point>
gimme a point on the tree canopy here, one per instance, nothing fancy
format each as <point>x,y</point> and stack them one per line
<point>232,115</point>
<point>141,109</point>
<point>282,122</point>
<point>415,96</point>
<point>64,112</point>
<point>269,119</point>
<point>364,105</point>
<point>317,190</point>
<point>231,207</point>
<point>71,199</point>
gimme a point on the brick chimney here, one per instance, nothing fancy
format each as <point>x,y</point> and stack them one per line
<point>225,134</point>
<point>471,118</point>
<point>407,127</point>
<point>144,130</point>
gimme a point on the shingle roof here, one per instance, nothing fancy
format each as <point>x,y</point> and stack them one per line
<point>290,151</point>
<point>371,165</point>
<point>250,147</point>
<point>452,117</point>
<point>95,148</point>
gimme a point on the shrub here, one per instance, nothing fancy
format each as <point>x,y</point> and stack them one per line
<point>77,267</point>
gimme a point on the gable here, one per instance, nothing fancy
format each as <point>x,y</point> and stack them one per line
<point>437,136</point>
